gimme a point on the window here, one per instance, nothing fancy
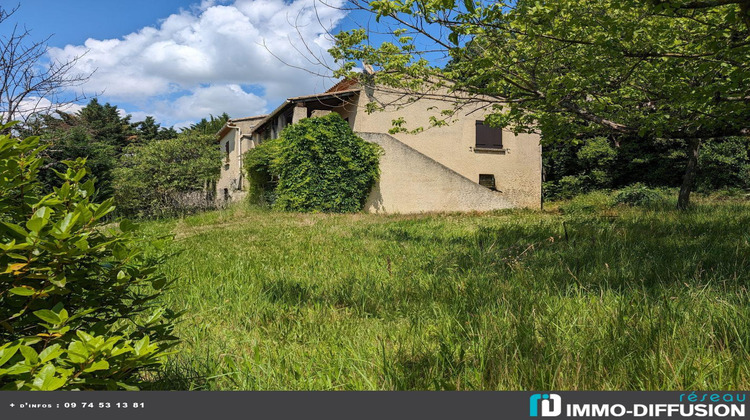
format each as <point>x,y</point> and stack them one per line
<point>488,137</point>
<point>487,180</point>
<point>226,150</point>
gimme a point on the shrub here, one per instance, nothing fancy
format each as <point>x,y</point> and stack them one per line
<point>596,164</point>
<point>77,297</point>
<point>323,166</point>
<point>597,155</point>
<point>167,177</point>
<point>565,187</point>
<point>262,173</point>
<point>637,195</point>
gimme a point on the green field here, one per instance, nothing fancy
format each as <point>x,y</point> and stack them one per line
<point>582,295</point>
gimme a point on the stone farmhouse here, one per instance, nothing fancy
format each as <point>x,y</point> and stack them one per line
<point>462,166</point>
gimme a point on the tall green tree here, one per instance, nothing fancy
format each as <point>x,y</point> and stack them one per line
<point>570,169</point>
<point>104,123</point>
<point>97,132</point>
<point>149,129</point>
<point>208,126</point>
<point>573,69</point>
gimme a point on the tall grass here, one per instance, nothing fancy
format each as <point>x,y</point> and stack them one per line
<point>583,295</point>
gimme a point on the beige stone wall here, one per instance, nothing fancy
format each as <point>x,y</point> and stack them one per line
<point>349,109</point>
<point>230,177</point>
<point>411,182</point>
<point>517,169</point>
<point>245,125</point>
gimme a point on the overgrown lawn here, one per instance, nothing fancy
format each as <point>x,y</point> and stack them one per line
<point>582,295</point>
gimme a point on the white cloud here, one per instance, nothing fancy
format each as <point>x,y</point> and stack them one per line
<point>35,104</point>
<point>199,58</point>
<point>207,100</point>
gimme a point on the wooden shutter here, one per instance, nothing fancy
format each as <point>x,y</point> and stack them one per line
<point>488,137</point>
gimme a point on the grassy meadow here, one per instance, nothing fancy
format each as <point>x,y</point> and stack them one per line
<point>581,295</point>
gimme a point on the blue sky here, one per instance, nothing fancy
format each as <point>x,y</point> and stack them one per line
<point>181,60</point>
<point>74,21</point>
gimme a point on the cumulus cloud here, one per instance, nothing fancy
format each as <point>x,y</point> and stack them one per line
<point>196,61</point>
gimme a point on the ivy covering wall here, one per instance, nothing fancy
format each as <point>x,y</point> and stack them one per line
<point>317,165</point>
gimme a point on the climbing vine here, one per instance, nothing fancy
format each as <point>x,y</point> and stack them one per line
<point>321,166</point>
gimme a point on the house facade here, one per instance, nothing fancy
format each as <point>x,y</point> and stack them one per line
<point>234,139</point>
<point>462,166</point>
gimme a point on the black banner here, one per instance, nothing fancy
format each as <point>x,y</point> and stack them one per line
<point>371,405</point>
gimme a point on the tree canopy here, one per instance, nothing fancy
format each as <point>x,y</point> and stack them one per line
<point>572,69</point>
<point>98,132</point>
<point>208,126</point>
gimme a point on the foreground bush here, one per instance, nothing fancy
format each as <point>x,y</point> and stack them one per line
<point>77,296</point>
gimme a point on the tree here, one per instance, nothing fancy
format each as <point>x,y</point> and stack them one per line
<point>29,86</point>
<point>208,126</point>
<point>104,123</point>
<point>573,69</point>
<point>97,132</point>
<point>149,129</point>
<point>573,168</point>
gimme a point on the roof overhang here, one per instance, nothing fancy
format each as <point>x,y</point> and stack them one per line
<point>323,98</point>
<point>231,124</point>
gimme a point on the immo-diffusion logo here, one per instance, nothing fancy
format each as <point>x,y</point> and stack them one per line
<point>551,405</point>
<point>706,405</point>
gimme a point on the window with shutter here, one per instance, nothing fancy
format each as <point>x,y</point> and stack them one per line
<point>226,149</point>
<point>488,137</point>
